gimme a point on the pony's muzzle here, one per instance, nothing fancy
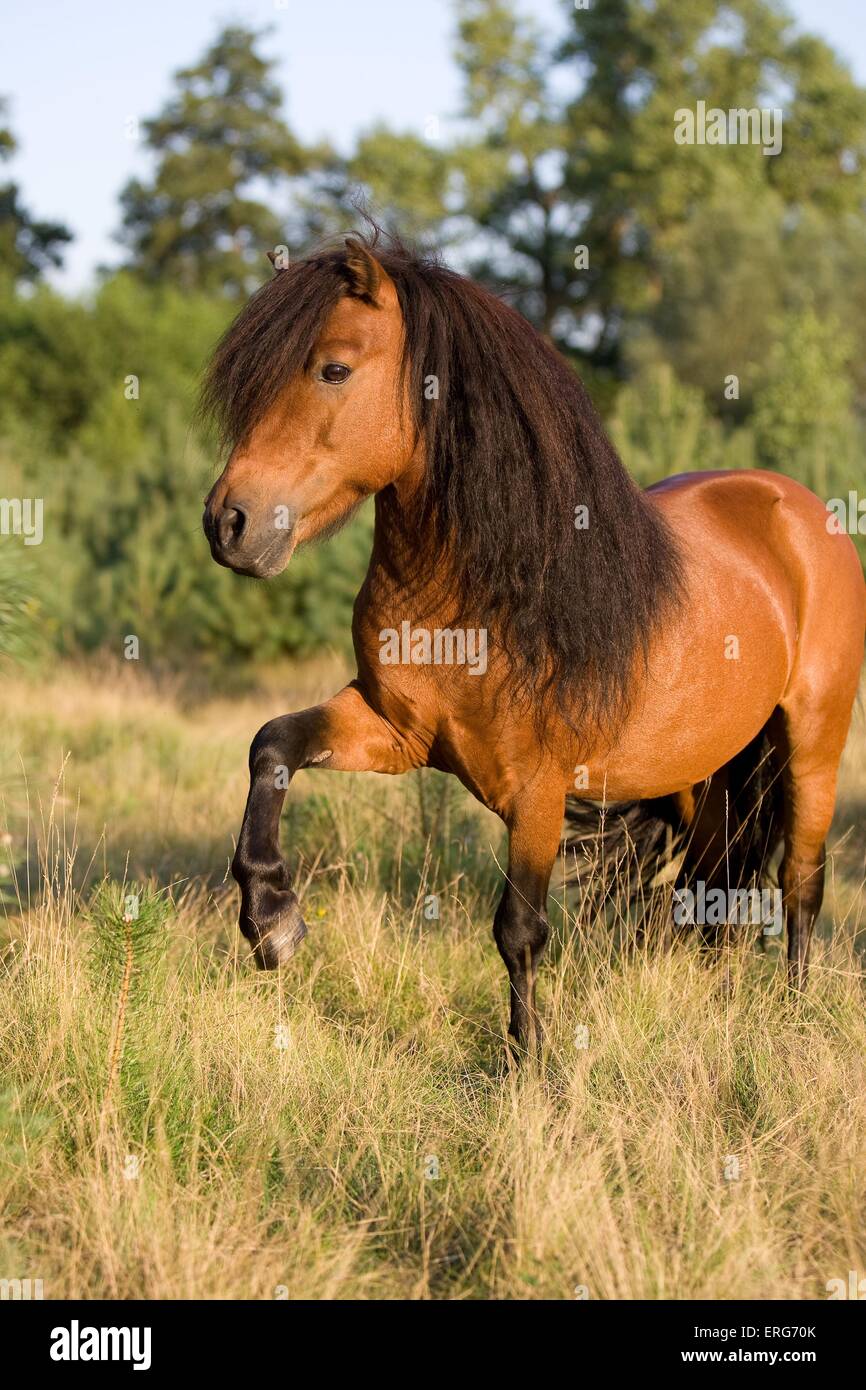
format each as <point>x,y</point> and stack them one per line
<point>243,539</point>
<point>230,528</point>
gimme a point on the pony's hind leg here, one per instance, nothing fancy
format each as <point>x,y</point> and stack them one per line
<point>815,712</point>
<point>812,747</point>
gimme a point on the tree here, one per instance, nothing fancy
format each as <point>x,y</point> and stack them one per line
<point>642,193</point>
<point>220,141</point>
<point>576,181</point>
<point>803,412</point>
<point>28,246</point>
<point>511,162</point>
<point>406,181</point>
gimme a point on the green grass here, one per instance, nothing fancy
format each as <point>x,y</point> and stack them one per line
<point>351,1126</point>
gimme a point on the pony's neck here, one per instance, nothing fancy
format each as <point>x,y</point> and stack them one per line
<point>407,564</point>
<point>409,487</point>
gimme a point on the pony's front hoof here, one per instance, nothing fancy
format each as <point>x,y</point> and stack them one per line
<point>525,1041</point>
<point>277,934</point>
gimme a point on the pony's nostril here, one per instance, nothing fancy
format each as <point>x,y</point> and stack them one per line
<point>230,526</point>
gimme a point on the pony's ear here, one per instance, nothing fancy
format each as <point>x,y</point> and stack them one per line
<point>362,272</point>
<point>278,260</point>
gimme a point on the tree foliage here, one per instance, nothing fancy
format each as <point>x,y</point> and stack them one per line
<point>28,245</point>
<point>220,141</point>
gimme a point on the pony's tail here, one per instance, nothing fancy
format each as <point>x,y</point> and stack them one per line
<point>645,844</point>
<point>758,802</point>
<point>632,841</point>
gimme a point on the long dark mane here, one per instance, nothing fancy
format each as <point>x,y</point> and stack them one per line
<point>514,446</point>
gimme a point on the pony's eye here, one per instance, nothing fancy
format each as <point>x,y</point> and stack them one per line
<point>335,373</point>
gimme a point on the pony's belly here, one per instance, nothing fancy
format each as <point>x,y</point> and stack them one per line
<point>657,757</point>
<point>713,684</point>
<point>662,767</point>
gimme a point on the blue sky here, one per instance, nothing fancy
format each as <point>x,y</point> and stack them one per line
<point>77,72</point>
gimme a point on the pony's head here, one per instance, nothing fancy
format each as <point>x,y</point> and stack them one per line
<point>308,390</point>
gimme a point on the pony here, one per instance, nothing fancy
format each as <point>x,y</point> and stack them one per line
<point>653,649</point>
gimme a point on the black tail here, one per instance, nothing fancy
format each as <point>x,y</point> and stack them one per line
<point>646,842</point>
<point>628,840</point>
<point>757,796</point>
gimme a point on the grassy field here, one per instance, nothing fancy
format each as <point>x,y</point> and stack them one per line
<point>174,1124</point>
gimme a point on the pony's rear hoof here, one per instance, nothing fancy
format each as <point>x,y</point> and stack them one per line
<point>276,939</point>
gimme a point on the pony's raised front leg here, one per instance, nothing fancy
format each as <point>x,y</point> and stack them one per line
<point>520,926</point>
<point>344,734</point>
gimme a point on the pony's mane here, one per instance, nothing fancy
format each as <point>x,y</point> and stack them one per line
<point>513,446</point>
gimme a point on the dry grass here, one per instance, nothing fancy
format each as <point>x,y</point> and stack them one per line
<point>279,1136</point>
